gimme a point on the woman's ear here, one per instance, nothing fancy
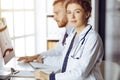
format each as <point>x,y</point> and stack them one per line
<point>87,15</point>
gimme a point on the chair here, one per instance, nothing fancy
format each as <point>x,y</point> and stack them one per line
<point>102,68</point>
<point>110,70</point>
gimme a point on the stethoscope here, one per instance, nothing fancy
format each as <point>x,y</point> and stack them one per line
<point>77,46</point>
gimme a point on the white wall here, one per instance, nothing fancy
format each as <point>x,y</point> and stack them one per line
<point>94,15</point>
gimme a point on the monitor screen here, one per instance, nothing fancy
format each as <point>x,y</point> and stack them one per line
<point>5,44</point>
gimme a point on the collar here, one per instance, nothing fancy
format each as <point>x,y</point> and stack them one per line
<point>70,30</point>
<point>85,29</point>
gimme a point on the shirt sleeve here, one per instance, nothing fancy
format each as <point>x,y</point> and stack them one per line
<point>52,76</point>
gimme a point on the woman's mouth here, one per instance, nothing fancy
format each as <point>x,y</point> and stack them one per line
<point>73,21</point>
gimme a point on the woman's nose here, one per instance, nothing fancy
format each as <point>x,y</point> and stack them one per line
<point>72,15</point>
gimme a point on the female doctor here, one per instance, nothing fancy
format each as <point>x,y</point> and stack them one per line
<point>83,47</point>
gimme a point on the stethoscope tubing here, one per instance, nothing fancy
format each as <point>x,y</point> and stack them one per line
<point>78,47</point>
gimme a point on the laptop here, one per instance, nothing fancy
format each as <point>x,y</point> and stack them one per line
<point>6,50</point>
<point>7,53</point>
<point>37,65</point>
<point>6,47</point>
<point>44,67</point>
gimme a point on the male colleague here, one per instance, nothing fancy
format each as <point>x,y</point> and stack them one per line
<point>61,19</point>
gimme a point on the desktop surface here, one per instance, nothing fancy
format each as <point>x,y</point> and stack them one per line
<point>16,78</point>
<point>25,68</point>
<point>5,73</point>
<point>26,72</point>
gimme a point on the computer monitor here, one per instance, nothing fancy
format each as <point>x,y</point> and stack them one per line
<point>5,42</point>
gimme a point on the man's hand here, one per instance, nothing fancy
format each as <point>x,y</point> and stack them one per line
<point>28,59</point>
<point>41,75</point>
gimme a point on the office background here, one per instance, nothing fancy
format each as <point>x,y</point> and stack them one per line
<point>33,30</point>
<point>31,24</point>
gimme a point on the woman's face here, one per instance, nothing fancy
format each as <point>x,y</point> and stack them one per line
<point>76,15</point>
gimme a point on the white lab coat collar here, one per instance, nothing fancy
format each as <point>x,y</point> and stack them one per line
<point>70,29</point>
<point>85,30</point>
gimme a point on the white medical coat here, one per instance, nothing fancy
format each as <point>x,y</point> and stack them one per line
<point>84,60</point>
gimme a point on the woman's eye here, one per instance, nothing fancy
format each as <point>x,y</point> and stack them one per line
<point>77,11</point>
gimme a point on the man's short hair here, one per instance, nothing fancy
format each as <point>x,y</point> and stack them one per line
<point>57,1</point>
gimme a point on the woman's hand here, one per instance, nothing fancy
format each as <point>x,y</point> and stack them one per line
<point>41,75</point>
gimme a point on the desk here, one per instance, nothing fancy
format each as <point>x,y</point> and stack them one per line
<point>13,63</point>
<point>19,66</point>
<point>16,78</point>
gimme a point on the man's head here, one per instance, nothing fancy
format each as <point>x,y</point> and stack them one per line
<point>60,13</point>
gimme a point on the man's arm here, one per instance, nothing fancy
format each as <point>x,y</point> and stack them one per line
<point>28,59</point>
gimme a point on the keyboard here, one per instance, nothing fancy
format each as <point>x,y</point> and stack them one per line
<point>19,65</point>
